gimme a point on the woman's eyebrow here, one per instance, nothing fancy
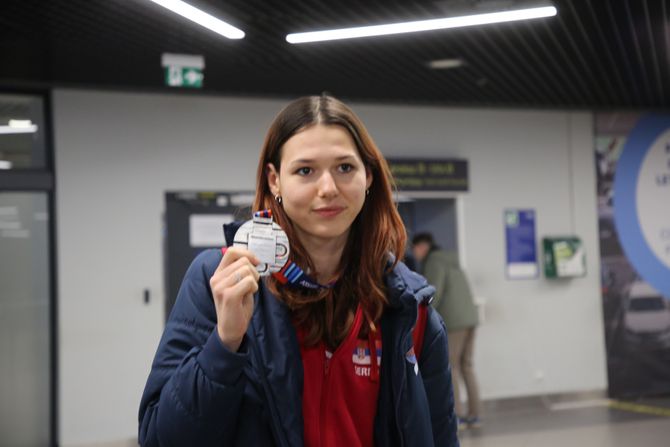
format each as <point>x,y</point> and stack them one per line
<point>344,157</point>
<point>311,160</point>
<point>302,161</point>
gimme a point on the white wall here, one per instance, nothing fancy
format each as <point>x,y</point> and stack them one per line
<point>526,159</point>
<point>117,153</point>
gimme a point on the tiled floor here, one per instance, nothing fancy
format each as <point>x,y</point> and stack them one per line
<point>596,423</point>
<point>585,422</point>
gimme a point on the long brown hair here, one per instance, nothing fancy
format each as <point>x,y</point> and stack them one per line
<point>375,233</point>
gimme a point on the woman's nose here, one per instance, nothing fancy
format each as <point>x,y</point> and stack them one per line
<point>327,186</point>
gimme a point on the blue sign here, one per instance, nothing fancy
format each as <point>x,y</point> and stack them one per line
<point>642,200</point>
<point>521,244</point>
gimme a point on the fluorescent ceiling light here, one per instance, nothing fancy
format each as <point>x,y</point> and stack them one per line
<point>423,25</point>
<point>201,18</point>
<point>445,64</point>
<point>19,126</point>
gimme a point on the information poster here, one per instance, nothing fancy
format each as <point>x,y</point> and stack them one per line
<point>633,166</point>
<point>521,244</point>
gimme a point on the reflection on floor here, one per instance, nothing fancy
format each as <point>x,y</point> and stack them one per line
<point>582,423</point>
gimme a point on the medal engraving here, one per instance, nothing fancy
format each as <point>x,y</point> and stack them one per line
<point>264,247</point>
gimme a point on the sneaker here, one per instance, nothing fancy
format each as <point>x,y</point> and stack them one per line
<point>462,423</point>
<point>473,422</point>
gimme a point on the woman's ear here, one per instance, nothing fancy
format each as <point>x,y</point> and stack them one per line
<point>368,177</point>
<point>273,179</point>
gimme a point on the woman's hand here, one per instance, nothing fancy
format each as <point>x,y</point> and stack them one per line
<point>233,286</point>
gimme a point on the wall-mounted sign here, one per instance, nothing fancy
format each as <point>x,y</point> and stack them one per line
<point>206,230</point>
<point>642,200</point>
<point>183,70</point>
<point>633,166</point>
<point>412,174</point>
<point>183,77</point>
<point>520,244</point>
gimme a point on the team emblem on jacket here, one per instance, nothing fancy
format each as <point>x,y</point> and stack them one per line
<point>361,357</point>
<point>411,358</point>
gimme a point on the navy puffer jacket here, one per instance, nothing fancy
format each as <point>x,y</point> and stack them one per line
<point>201,394</point>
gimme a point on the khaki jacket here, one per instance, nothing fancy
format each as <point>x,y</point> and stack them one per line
<point>453,298</point>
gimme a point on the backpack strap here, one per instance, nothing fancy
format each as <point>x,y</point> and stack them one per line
<point>420,329</point>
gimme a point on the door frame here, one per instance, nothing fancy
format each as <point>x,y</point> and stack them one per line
<point>43,180</point>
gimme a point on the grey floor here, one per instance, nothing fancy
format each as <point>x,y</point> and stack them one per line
<point>587,423</point>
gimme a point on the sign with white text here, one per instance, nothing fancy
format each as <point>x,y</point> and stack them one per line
<point>520,244</point>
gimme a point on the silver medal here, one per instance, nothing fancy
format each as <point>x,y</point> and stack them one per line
<point>266,240</point>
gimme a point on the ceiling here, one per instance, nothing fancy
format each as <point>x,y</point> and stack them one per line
<point>595,54</point>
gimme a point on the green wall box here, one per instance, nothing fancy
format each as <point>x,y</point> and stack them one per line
<point>564,257</point>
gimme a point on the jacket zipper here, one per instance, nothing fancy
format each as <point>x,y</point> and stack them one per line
<point>325,395</point>
<point>401,386</point>
<point>403,379</point>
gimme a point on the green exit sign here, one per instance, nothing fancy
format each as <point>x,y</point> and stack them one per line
<point>188,77</point>
<point>183,70</point>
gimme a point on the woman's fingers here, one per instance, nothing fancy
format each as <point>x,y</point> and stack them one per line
<point>246,286</point>
<point>234,273</point>
<point>234,307</point>
<point>233,254</point>
<point>244,266</point>
<point>242,281</point>
<point>230,270</point>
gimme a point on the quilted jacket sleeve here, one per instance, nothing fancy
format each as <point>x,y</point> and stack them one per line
<point>195,386</point>
<point>436,373</point>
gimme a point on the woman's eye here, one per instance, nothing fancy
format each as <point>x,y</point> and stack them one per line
<point>304,171</point>
<point>346,167</point>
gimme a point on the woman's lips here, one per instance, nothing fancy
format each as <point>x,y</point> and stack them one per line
<point>330,211</point>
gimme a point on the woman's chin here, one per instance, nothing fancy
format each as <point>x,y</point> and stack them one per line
<point>328,231</point>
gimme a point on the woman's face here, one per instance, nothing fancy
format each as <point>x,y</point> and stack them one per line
<point>322,182</point>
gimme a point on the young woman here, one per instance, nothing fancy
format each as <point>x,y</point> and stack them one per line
<point>325,361</point>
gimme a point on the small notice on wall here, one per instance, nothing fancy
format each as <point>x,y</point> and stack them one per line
<point>206,230</point>
<point>520,244</point>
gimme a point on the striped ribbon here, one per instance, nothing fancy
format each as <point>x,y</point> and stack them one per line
<point>263,213</point>
<point>294,275</point>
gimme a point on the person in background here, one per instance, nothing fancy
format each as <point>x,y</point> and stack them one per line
<point>453,301</point>
<point>321,353</point>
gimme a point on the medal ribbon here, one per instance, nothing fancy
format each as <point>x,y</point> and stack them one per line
<point>294,275</point>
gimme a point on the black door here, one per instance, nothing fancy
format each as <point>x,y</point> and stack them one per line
<point>194,223</point>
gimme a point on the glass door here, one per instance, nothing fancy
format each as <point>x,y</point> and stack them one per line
<point>27,299</point>
<point>25,369</point>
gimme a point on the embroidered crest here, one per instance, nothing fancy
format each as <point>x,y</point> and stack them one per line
<point>361,354</point>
